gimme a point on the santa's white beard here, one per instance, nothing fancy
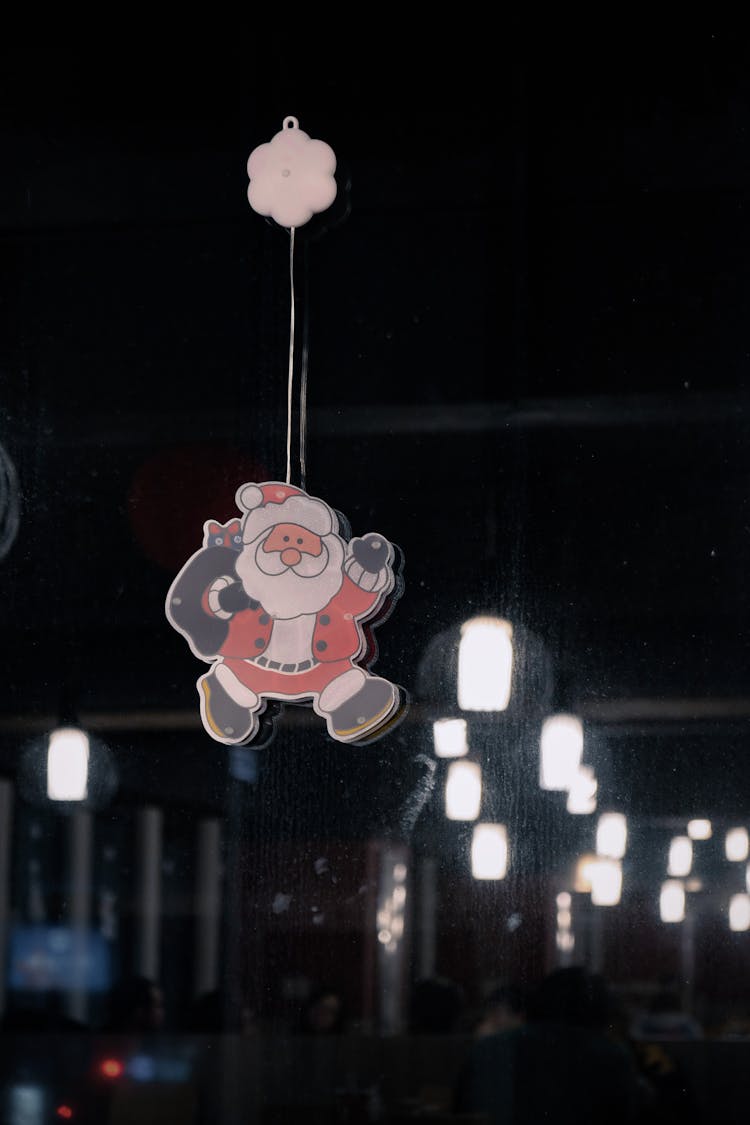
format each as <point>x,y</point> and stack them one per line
<point>287,594</point>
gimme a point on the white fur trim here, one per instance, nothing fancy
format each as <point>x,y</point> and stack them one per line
<point>249,496</point>
<point>237,691</point>
<point>342,688</point>
<point>368,580</point>
<point>306,511</point>
<point>215,589</point>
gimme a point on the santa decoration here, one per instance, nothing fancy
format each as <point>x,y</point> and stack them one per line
<point>282,609</point>
<point>281,603</point>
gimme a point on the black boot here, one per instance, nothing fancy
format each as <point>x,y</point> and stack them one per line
<point>367,709</point>
<point>225,720</point>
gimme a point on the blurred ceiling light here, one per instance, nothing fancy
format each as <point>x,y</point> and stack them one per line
<point>560,751</point>
<point>449,738</point>
<point>485,664</point>
<point>611,835</point>
<point>606,882</point>
<point>680,856</point>
<point>67,765</point>
<point>489,851</point>
<point>736,844</point>
<point>582,792</point>
<point>672,901</point>
<point>563,901</point>
<point>582,880</point>
<point>699,829</point>
<point>463,791</point>
<point>739,913</point>
<point>694,885</point>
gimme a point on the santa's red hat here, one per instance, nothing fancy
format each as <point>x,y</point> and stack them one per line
<point>273,502</point>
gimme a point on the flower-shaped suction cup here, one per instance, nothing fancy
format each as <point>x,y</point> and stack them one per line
<point>292,176</point>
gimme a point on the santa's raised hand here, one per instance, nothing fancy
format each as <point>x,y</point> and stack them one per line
<point>369,562</point>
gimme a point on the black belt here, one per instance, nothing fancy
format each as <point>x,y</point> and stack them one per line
<point>277,666</point>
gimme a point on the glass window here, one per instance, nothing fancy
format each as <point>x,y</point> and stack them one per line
<point>487,844</point>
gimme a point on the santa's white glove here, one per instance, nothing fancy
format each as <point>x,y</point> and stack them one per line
<point>368,562</point>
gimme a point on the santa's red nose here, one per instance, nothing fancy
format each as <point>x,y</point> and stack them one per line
<point>292,542</point>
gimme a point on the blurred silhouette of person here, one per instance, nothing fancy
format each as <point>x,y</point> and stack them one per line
<point>663,1022</point>
<point>562,1065</point>
<point>437,1005</point>
<point>666,1019</point>
<point>136,1006</point>
<point>323,1012</point>
<point>49,1018</point>
<point>208,1016</point>
<point>503,1009</point>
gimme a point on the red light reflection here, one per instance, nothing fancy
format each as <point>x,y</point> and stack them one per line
<point>111,1068</point>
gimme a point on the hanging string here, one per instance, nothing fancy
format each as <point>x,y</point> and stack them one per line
<point>303,390</point>
<point>290,382</point>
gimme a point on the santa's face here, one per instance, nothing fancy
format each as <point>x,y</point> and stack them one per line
<point>291,571</point>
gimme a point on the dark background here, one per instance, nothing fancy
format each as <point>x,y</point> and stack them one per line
<point>527,325</point>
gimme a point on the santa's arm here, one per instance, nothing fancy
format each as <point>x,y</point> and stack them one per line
<point>368,563</point>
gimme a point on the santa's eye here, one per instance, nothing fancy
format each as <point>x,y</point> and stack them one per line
<point>286,538</point>
<point>218,540</point>
<point>299,540</point>
<point>238,538</point>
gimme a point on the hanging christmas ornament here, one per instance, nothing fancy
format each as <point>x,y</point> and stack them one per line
<point>282,601</point>
<point>280,610</point>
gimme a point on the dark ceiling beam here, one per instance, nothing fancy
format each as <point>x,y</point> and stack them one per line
<point>699,409</point>
<point>614,711</point>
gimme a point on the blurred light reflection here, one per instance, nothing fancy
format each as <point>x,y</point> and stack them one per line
<point>463,791</point>
<point>485,664</point>
<point>560,752</point>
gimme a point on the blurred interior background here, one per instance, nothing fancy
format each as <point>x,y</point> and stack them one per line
<point>526,328</point>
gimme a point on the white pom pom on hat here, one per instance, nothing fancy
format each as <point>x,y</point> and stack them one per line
<point>250,496</point>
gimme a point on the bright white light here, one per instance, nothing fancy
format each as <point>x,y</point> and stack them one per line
<point>449,737</point>
<point>582,881</point>
<point>485,664</point>
<point>606,882</point>
<point>563,900</point>
<point>463,791</point>
<point>560,751</point>
<point>739,913</point>
<point>672,901</point>
<point>699,829</point>
<point>611,835</point>
<point>680,856</point>
<point>67,765</point>
<point>565,940</point>
<point>564,919</point>
<point>582,792</point>
<point>489,851</point>
<point>736,844</point>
